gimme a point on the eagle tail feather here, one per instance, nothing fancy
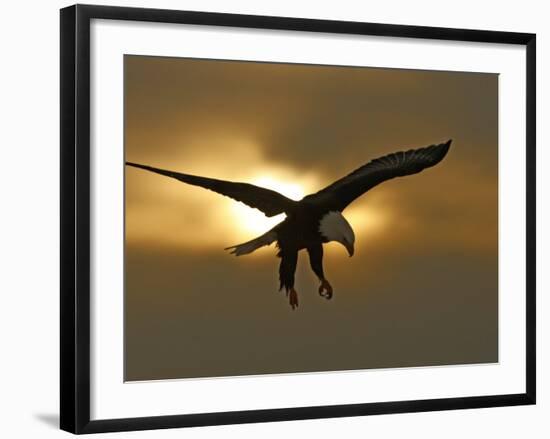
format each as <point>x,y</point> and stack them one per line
<point>250,246</point>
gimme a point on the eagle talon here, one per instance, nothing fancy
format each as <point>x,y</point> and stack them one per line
<point>292,298</point>
<point>325,289</point>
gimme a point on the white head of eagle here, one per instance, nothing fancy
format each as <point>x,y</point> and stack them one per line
<point>317,218</point>
<point>334,227</point>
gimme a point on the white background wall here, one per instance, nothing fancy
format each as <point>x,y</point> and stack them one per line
<point>29,249</point>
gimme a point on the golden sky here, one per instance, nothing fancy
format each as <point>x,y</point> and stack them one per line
<point>422,286</point>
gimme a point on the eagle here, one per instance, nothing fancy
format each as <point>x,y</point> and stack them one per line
<point>317,218</point>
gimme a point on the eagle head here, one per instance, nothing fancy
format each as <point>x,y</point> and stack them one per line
<point>334,227</point>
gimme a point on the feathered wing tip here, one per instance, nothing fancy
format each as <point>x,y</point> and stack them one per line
<point>441,151</point>
<point>428,156</point>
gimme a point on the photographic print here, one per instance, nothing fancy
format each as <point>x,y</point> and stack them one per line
<point>292,218</point>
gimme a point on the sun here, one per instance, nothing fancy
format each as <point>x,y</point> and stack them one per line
<point>290,190</point>
<point>253,222</point>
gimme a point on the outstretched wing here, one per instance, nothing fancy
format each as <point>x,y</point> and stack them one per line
<point>341,193</point>
<point>271,203</point>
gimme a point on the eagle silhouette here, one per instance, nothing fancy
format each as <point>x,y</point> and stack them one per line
<point>317,218</point>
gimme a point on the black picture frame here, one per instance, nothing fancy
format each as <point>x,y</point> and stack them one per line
<point>75,217</point>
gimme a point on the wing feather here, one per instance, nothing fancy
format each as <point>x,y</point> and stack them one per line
<point>342,192</point>
<point>271,203</point>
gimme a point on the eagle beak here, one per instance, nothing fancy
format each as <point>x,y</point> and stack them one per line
<point>349,248</point>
